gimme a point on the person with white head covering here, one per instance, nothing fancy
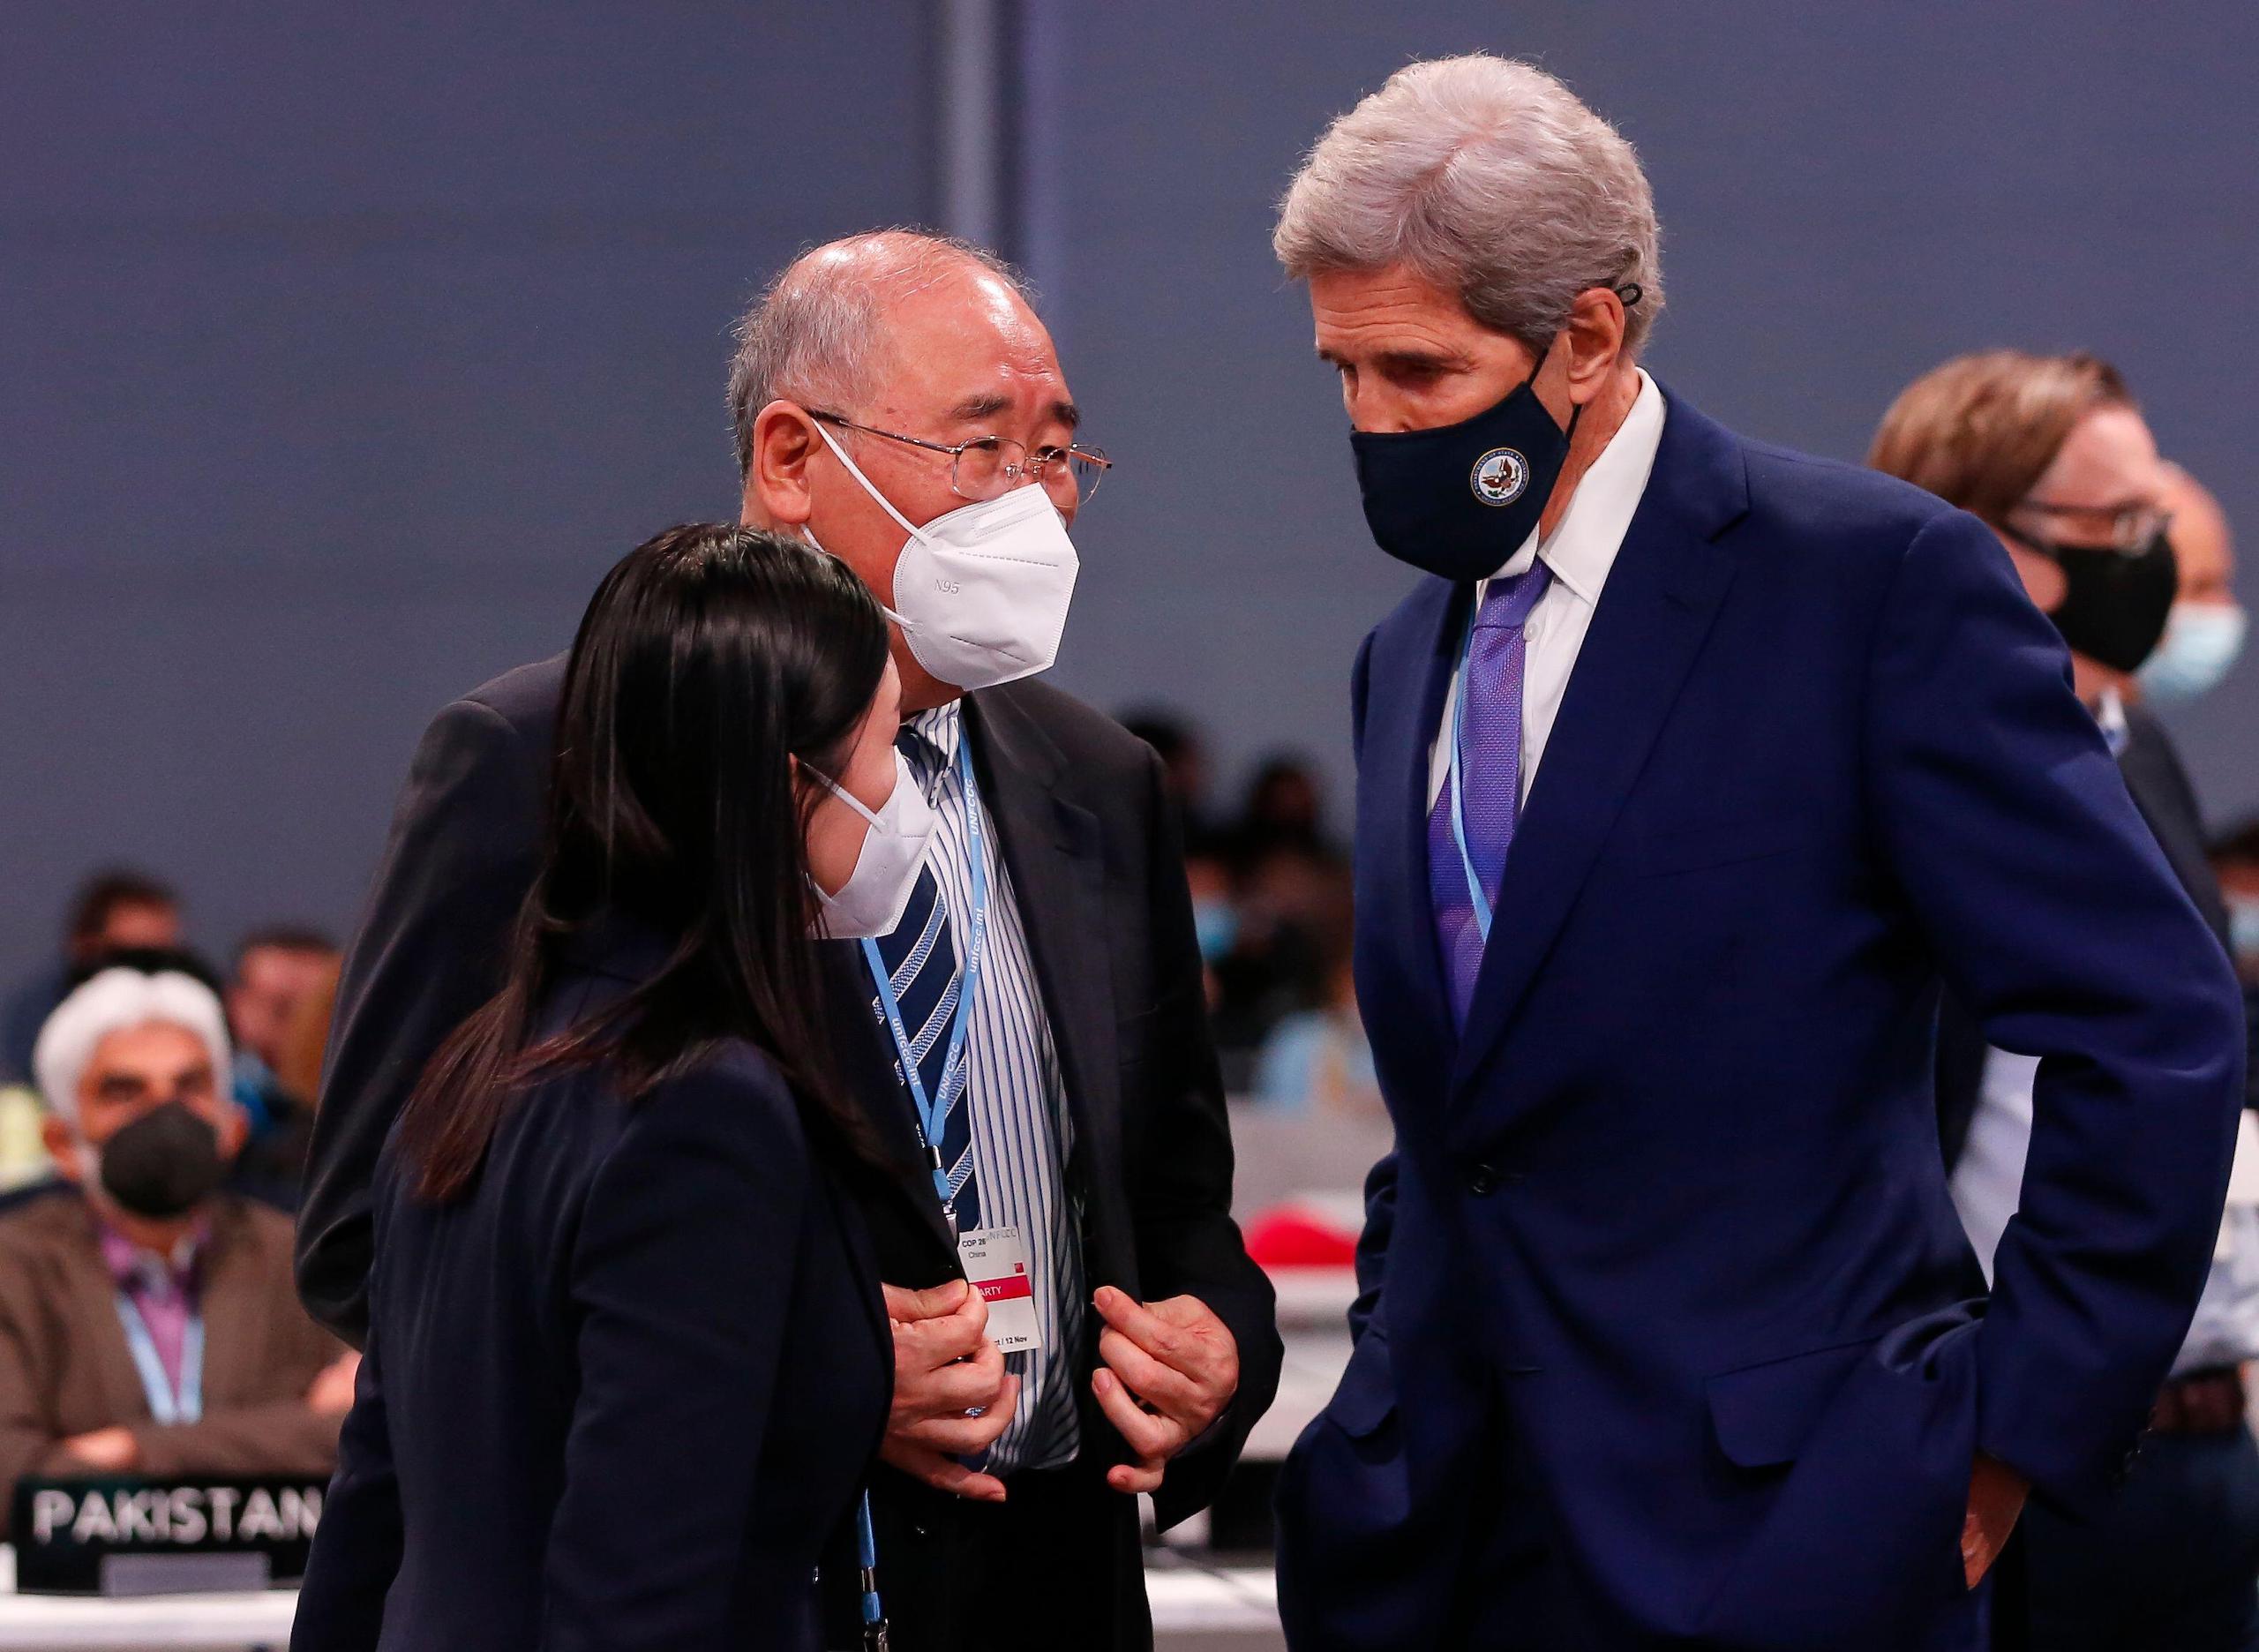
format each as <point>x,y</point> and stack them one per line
<point>142,1276</point>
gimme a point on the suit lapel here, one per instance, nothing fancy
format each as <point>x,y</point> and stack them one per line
<point>1053,852</point>
<point>1404,704</point>
<point>1656,608</point>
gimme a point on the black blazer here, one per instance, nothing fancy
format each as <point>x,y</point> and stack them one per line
<point>2160,789</point>
<point>1092,846</point>
<point>620,1392</point>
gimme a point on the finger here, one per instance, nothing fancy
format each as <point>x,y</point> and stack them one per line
<point>1140,1324</point>
<point>1149,1436</point>
<point>975,1385</point>
<point>944,1475</point>
<point>1147,1377</point>
<point>1135,1477</point>
<point>959,1436</point>
<point>934,1304</point>
<point>928,1344</point>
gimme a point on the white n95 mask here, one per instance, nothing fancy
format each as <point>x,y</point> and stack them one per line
<point>871,902</point>
<point>981,592</point>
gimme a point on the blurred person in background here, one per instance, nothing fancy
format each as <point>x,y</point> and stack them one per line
<point>1317,1062</point>
<point>897,403</point>
<point>2054,454</point>
<point>2204,634</point>
<point>1285,810</point>
<point>1683,777</point>
<point>114,910</point>
<point>148,1322</point>
<point>284,978</point>
<point>1286,874</point>
<point>1184,769</point>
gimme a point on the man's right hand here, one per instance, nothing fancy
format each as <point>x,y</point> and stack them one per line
<point>944,1367</point>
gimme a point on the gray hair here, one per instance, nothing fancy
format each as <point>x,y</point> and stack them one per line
<point>1489,178</point>
<point>813,334</point>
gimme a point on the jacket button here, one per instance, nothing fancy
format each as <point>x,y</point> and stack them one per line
<point>1482,1180</point>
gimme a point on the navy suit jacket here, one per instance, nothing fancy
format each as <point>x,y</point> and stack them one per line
<point>1663,1266</point>
<point>620,1392</point>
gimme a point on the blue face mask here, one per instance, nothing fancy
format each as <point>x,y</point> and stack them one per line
<point>2201,641</point>
<point>2243,926</point>
<point>1217,927</point>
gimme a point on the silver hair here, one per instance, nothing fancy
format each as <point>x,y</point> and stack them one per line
<point>814,334</point>
<point>1489,178</point>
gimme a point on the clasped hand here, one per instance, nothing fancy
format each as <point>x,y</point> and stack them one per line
<point>1169,1369</point>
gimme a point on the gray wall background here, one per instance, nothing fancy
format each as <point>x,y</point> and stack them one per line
<point>340,352</point>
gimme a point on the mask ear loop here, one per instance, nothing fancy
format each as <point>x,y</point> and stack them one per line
<point>884,504</point>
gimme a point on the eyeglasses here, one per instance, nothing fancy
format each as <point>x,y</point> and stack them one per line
<point>2102,527</point>
<point>989,467</point>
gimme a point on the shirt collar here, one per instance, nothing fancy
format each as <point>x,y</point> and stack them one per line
<point>1590,532</point>
<point>133,1268</point>
<point>2110,712</point>
<point>943,725</point>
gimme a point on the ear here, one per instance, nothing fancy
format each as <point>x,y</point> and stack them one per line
<point>776,493</point>
<point>1595,340</point>
<point>234,1130</point>
<point>2042,580</point>
<point>61,1146</point>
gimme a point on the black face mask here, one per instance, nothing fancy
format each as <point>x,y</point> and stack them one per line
<point>163,1164</point>
<point>1458,501</point>
<point>2115,603</point>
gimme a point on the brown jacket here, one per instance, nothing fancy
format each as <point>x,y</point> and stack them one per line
<point>65,1370</point>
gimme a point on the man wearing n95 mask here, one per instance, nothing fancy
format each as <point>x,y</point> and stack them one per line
<point>1075,1318</point>
<point>2204,633</point>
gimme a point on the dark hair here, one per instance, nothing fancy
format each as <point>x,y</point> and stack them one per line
<point>148,961</point>
<point>710,658</point>
<point>107,891</point>
<point>284,937</point>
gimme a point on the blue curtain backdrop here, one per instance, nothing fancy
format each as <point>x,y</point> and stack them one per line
<point>339,352</point>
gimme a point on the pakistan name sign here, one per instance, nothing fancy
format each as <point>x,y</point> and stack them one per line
<point>64,1529</point>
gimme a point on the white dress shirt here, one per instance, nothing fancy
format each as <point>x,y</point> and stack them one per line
<point>1580,553</point>
<point>1987,1183</point>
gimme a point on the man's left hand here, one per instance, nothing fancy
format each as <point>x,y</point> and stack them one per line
<point>1996,1495</point>
<point>1170,1368</point>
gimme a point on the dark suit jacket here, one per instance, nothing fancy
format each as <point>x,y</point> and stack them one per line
<point>65,1370</point>
<point>617,1393</point>
<point>1092,849</point>
<point>1670,1213</point>
<point>2160,790</point>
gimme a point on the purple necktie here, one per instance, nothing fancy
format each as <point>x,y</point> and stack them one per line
<point>1490,767</point>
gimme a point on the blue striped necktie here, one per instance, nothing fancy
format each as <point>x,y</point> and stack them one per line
<point>921,957</point>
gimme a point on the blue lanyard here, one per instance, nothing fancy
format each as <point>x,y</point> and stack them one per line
<point>1479,901</point>
<point>167,1404</point>
<point>934,1110</point>
<point>933,1114</point>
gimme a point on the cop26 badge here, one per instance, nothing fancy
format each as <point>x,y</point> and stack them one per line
<point>1499,476</point>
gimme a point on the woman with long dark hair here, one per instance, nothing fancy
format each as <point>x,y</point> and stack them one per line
<point>627,1363</point>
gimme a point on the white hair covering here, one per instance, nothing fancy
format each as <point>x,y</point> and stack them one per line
<point>112,1001</point>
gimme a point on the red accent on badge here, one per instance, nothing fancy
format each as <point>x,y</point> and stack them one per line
<point>1011,1290</point>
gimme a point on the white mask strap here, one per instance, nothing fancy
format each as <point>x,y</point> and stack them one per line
<point>844,796</point>
<point>885,503</point>
<point>807,534</point>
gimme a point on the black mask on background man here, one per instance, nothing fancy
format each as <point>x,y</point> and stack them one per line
<point>2115,603</point>
<point>164,1163</point>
